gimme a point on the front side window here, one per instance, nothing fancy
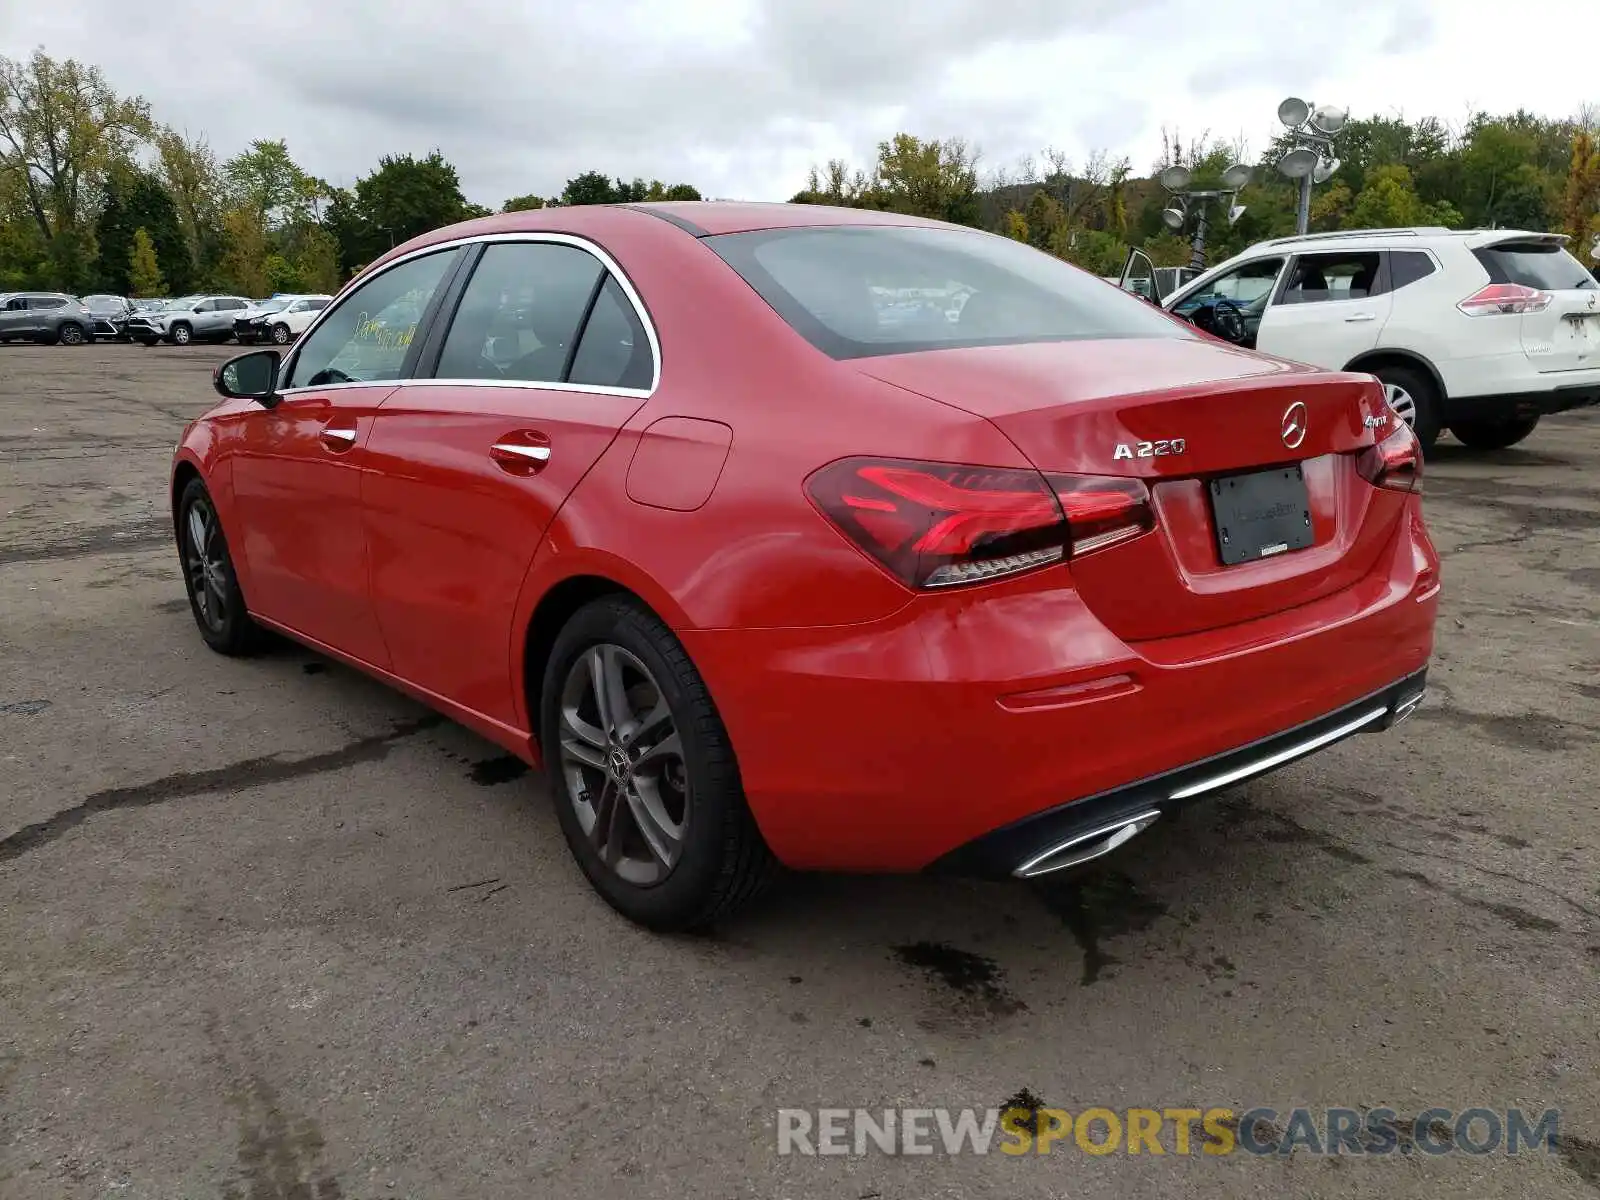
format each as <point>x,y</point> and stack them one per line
<point>1248,286</point>
<point>366,339</point>
<point>859,291</point>
<point>1319,278</point>
<point>519,314</point>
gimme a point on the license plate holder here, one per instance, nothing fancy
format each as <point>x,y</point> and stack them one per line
<point>1260,514</point>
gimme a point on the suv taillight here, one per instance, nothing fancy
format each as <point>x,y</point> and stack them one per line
<point>1499,298</point>
<point>941,524</point>
<point>1394,463</point>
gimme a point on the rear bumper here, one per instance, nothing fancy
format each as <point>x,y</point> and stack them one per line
<point>1085,829</point>
<point>897,744</point>
<point>1518,405</point>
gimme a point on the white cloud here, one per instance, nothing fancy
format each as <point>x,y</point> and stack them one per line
<point>741,96</point>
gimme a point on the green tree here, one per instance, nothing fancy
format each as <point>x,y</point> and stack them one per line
<point>1389,200</point>
<point>188,170</point>
<point>929,178</point>
<point>144,268</point>
<point>135,199</point>
<point>407,196</point>
<point>264,181</point>
<point>1015,226</point>
<point>316,262</point>
<point>522,204</point>
<point>589,188</point>
<point>243,267</point>
<point>1580,203</point>
<point>62,128</point>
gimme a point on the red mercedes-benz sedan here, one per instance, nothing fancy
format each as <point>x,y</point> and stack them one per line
<point>830,538</point>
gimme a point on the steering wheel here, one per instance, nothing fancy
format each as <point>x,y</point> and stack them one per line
<point>1227,321</point>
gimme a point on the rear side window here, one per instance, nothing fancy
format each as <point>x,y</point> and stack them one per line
<point>1408,266</point>
<point>519,315</point>
<point>860,291</point>
<point>48,302</point>
<point>614,350</point>
<point>1543,265</point>
<point>1320,278</point>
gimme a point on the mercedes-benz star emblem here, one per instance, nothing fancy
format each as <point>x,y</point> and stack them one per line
<point>1294,425</point>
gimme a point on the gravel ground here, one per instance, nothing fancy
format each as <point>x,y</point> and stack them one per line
<point>273,931</point>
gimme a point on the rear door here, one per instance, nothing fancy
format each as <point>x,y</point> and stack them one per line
<point>1330,308</point>
<point>544,359</point>
<point>14,319</point>
<point>1564,335</point>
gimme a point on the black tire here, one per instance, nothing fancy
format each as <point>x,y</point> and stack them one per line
<point>70,333</point>
<point>722,860</point>
<point>1493,435</point>
<point>281,334</point>
<point>1424,394</point>
<point>218,605</point>
<point>180,334</point>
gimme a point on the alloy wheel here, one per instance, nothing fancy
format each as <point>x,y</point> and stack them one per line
<point>1400,400</point>
<point>180,335</point>
<point>280,334</point>
<point>623,764</point>
<point>71,335</point>
<point>206,565</point>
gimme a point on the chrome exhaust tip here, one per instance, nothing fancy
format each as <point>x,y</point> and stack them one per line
<point>1088,846</point>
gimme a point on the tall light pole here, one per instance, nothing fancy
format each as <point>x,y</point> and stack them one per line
<point>1310,158</point>
<point>1186,199</point>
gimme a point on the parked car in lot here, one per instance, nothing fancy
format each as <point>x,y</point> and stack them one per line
<point>249,324</point>
<point>663,497</point>
<point>188,319</point>
<point>1481,332</point>
<point>288,323</point>
<point>45,317</point>
<point>109,316</point>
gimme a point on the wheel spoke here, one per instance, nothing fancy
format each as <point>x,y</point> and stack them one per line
<point>653,827</point>
<point>611,700</point>
<point>578,747</point>
<point>670,746</point>
<point>585,733</point>
<point>197,531</point>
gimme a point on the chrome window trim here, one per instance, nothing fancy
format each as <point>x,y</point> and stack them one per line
<point>562,239</point>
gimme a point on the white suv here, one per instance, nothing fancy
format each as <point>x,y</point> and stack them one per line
<point>1481,332</point>
<point>289,322</point>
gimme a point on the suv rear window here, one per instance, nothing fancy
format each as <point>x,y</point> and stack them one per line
<point>1534,264</point>
<point>857,291</point>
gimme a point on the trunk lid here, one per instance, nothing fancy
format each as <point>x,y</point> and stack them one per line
<point>1182,414</point>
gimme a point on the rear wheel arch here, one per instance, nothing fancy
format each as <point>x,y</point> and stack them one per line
<point>1372,361</point>
<point>550,615</point>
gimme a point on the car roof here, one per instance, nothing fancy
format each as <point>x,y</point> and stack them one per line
<point>1389,238</point>
<point>700,218</point>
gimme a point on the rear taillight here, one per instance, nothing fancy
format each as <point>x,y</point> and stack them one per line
<point>939,524</point>
<point>1394,463</point>
<point>1499,298</point>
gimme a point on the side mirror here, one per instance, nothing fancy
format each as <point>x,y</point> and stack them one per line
<point>252,376</point>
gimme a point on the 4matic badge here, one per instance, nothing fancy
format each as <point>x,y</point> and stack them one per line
<point>1158,449</point>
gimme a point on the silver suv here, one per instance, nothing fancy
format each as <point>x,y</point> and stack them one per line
<point>189,319</point>
<point>45,317</point>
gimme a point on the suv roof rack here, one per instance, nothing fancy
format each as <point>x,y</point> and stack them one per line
<point>1343,234</point>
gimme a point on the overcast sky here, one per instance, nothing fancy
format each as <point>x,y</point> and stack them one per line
<point>740,97</point>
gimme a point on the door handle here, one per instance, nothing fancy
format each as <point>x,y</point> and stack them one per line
<point>337,438</point>
<point>1350,320</point>
<point>524,452</point>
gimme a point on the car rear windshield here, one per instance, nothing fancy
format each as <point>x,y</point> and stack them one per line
<point>858,291</point>
<point>1543,265</point>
